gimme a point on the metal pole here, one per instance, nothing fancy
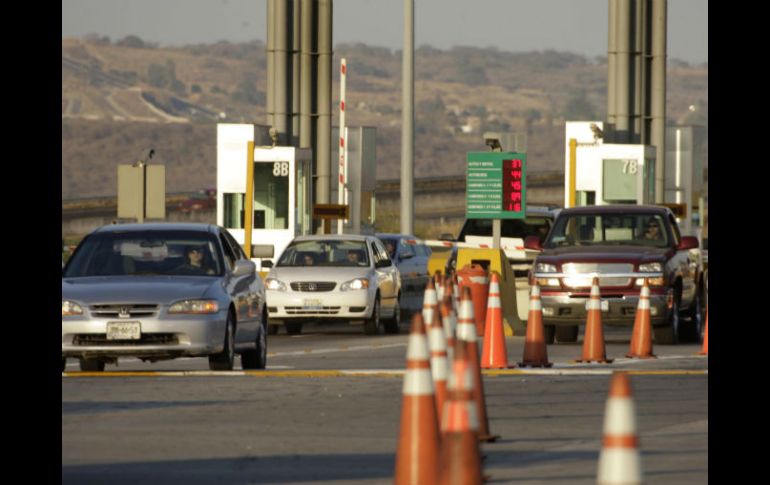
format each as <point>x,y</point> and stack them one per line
<point>306,77</point>
<point>639,102</point>
<point>612,48</point>
<point>407,122</point>
<point>248,209</point>
<point>623,99</point>
<point>342,147</point>
<point>324,97</point>
<point>282,83</point>
<point>270,49</point>
<point>294,60</point>
<point>658,108</point>
<point>572,170</point>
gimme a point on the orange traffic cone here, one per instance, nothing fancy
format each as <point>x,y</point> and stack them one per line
<point>593,340</point>
<point>641,339</point>
<point>438,361</point>
<point>619,461</point>
<point>459,458</point>
<point>535,350</point>
<point>449,322</point>
<point>438,282</point>
<point>705,349</point>
<point>466,334</point>
<point>494,355</point>
<point>418,440</point>
<point>429,302</point>
<point>475,277</point>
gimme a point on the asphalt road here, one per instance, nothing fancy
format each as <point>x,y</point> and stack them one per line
<point>302,422</point>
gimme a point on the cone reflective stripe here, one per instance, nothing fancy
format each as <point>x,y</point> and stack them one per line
<point>705,349</point>
<point>439,366</point>
<point>449,323</point>
<point>619,460</point>
<point>438,282</point>
<point>429,301</point>
<point>466,332</point>
<point>455,293</point>
<point>494,352</point>
<point>593,339</point>
<point>535,350</point>
<point>460,459</point>
<point>641,338</point>
<point>418,440</point>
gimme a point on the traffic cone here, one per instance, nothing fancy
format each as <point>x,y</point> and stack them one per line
<point>466,333</point>
<point>641,338</point>
<point>438,282</point>
<point>449,322</point>
<point>705,349</point>
<point>619,460</point>
<point>418,440</point>
<point>535,350</point>
<point>494,355</point>
<point>438,361</point>
<point>429,301</point>
<point>459,456</point>
<point>593,340</point>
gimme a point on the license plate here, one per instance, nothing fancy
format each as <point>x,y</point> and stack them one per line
<point>605,305</point>
<point>312,304</point>
<point>124,331</point>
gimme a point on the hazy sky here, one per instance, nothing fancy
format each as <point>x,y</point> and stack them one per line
<point>578,26</point>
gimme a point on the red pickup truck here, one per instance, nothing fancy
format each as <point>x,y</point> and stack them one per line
<point>622,246</point>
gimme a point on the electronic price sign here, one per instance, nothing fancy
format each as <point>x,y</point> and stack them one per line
<point>495,185</point>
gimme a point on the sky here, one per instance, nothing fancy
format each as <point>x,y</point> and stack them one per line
<point>578,26</point>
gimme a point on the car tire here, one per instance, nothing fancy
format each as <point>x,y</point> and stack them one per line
<point>293,328</point>
<point>693,329</point>
<point>372,324</point>
<point>566,334</point>
<point>393,325</point>
<point>668,334</point>
<point>549,332</point>
<point>91,365</point>
<point>257,358</point>
<point>224,360</point>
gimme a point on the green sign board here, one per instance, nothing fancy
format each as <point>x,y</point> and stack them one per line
<point>495,185</point>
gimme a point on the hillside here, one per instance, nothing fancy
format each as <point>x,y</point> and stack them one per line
<point>119,99</point>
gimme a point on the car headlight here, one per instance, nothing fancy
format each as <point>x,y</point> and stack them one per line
<point>545,268</point>
<point>275,285</point>
<point>194,306</point>
<point>356,284</point>
<point>69,308</point>
<point>650,268</point>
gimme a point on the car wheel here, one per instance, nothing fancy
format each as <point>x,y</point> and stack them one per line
<point>394,324</point>
<point>257,358</point>
<point>91,365</point>
<point>668,334</point>
<point>372,324</point>
<point>696,319</point>
<point>294,328</point>
<point>566,334</point>
<point>549,331</point>
<point>224,360</point>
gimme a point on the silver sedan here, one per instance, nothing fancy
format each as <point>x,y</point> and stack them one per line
<point>161,291</point>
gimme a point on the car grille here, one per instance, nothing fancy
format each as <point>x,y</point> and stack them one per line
<point>124,311</point>
<point>313,286</point>
<point>324,310</point>
<point>147,339</point>
<point>580,269</point>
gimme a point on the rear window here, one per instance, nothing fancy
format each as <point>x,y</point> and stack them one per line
<point>520,228</point>
<point>325,253</point>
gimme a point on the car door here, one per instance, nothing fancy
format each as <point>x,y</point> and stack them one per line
<point>243,289</point>
<point>684,264</point>
<point>408,268</point>
<point>388,280</point>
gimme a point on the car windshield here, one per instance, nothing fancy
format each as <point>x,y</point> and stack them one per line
<point>145,253</point>
<point>521,228</point>
<point>325,252</point>
<point>613,229</point>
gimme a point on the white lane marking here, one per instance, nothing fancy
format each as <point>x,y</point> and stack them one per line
<point>334,350</point>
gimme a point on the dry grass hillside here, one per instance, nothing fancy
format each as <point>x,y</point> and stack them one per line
<point>119,99</point>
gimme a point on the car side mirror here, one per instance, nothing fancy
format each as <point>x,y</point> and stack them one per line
<point>688,242</point>
<point>267,264</point>
<point>244,267</point>
<point>533,242</point>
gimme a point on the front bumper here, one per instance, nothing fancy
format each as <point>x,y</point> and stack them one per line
<point>567,310</point>
<point>167,337</point>
<point>335,305</point>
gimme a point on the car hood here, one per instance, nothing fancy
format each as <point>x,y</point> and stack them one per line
<point>602,254</point>
<point>160,289</point>
<point>319,273</point>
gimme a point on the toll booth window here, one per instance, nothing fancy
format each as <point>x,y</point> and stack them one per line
<point>233,210</point>
<point>619,180</point>
<point>271,195</point>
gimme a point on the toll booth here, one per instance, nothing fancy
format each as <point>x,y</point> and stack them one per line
<point>684,180</point>
<point>282,189</point>
<point>361,179</point>
<point>607,173</point>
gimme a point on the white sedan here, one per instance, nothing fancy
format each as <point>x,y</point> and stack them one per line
<point>329,278</point>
